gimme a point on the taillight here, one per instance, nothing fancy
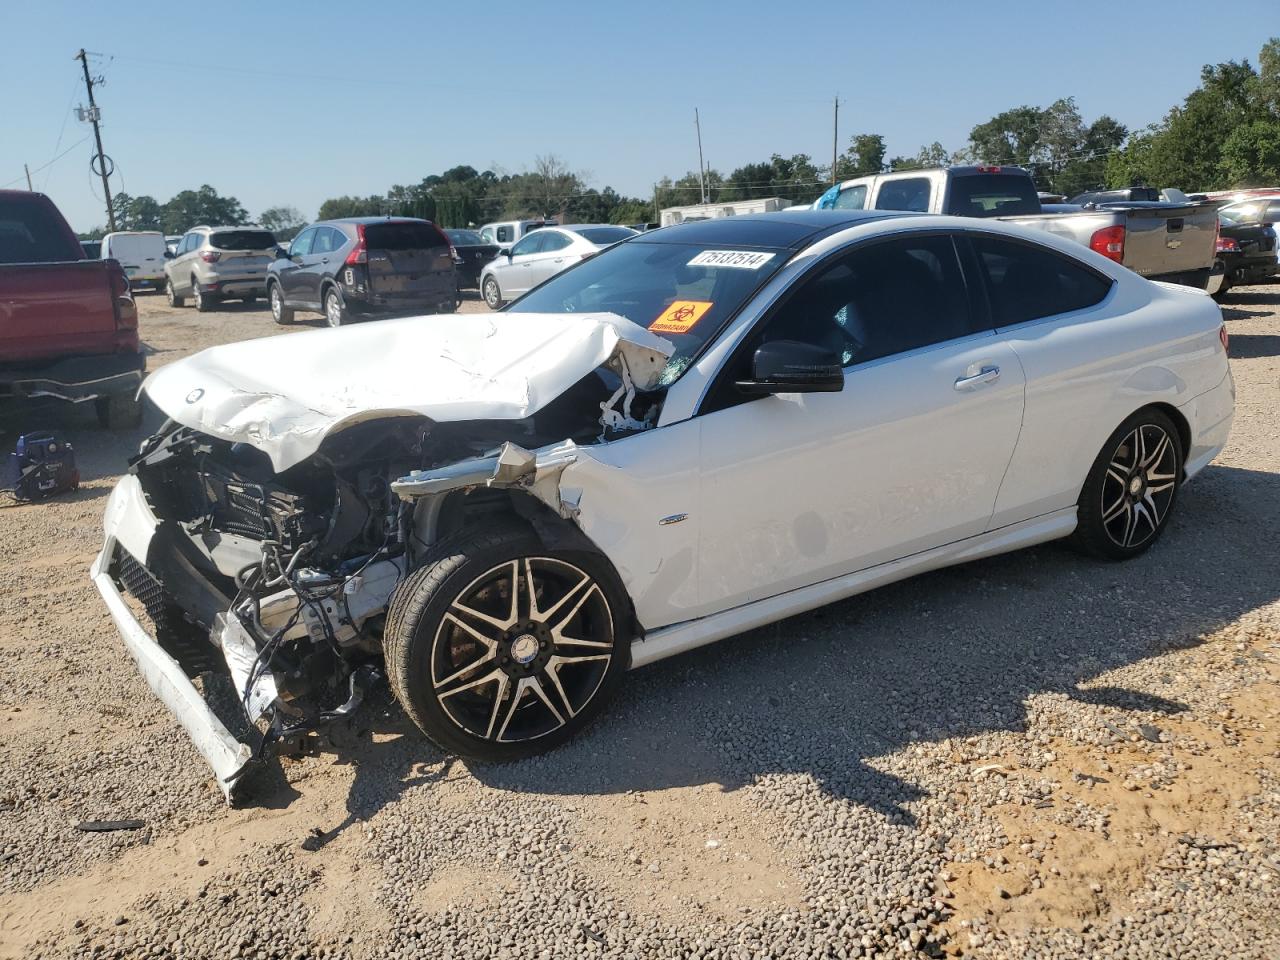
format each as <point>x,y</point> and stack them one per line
<point>359,253</point>
<point>124,309</point>
<point>1222,335</point>
<point>210,256</point>
<point>1109,241</point>
<point>986,168</point>
<point>1227,245</point>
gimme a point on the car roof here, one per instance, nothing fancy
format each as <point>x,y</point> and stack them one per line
<point>786,230</point>
<point>354,220</point>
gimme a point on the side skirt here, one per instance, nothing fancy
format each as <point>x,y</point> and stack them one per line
<point>680,637</point>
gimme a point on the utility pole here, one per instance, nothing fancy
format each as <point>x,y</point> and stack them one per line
<point>27,171</point>
<point>835,139</point>
<point>702,177</point>
<point>97,136</point>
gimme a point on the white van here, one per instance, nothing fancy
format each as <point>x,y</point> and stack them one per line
<point>141,253</point>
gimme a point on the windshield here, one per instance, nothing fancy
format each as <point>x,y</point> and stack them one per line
<point>395,235</point>
<point>603,236</point>
<point>993,195</point>
<point>682,292</point>
<point>242,240</point>
<point>465,238</point>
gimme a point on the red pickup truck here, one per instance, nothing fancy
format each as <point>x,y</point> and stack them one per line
<point>68,326</point>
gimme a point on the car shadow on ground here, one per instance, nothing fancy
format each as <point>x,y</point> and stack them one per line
<point>1249,346</point>
<point>832,693</point>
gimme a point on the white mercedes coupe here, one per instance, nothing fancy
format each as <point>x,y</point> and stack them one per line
<point>703,429</point>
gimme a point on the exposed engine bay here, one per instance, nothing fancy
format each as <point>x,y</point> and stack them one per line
<point>288,575</point>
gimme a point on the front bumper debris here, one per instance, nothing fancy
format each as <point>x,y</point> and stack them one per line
<point>228,757</point>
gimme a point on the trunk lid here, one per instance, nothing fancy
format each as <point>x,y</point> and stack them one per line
<point>1164,238</point>
<point>407,259</point>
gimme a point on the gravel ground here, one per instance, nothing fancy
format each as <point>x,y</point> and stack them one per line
<point>1036,755</point>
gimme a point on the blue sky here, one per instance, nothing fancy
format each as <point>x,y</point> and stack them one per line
<point>291,102</point>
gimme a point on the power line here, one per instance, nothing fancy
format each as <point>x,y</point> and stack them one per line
<point>45,166</point>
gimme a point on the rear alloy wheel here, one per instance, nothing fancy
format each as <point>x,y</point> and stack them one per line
<point>279,312</point>
<point>172,295</point>
<point>1132,489</point>
<point>501,649</point>
<point>204,302</point>
<point>335,311</point>
<point>492,295</point>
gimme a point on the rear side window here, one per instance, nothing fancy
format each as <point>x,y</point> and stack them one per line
<point>910,194</point>
<point>606,235</point>
<point>504,234</point>
<point>553,241</point>
<point>854,198</point>
<point>1026,282</point>
<point>403,235</point>
<point>242,240</point>
<point>32,232</point>
<point>993,195</point>
<point>327,240</point>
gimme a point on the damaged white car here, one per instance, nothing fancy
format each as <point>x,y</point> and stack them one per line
<point>704,429</point>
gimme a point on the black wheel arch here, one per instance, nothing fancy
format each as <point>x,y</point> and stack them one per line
<point>462,512</point>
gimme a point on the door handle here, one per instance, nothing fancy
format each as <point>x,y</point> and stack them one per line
<point>985,375</point>
<point>325,260</point>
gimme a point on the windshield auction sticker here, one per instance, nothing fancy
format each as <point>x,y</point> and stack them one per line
<point>739,259</point>
<point>680,316</point>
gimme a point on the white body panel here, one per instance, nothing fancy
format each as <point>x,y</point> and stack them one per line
<point>141,254</point>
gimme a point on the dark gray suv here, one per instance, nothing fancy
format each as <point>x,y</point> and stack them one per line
<point>363,268</point>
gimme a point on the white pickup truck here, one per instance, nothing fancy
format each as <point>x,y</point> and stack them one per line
<point>1160,241</point>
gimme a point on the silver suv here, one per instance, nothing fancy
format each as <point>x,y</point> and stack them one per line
<point>212,264</point>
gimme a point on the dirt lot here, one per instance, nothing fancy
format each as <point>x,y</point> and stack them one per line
<point>1035,755</point>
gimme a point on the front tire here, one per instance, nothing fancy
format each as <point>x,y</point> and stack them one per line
<point>280,313</point>
<point>1132,489</point>
<point>492,293</point>
<point>500,648</point>
<point>171,295</point>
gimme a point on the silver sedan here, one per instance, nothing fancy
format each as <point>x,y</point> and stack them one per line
<point>542,254</point>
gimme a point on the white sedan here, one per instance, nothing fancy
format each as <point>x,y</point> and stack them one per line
<point>698,431</point>
<point>541,254</point>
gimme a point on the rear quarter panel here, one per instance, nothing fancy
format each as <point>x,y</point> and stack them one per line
<point>1086,372</point>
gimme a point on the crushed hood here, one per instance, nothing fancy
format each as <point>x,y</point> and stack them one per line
<point>285,394</point>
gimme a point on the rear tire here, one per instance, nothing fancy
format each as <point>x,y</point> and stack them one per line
<point>490,679</point>
<point>118,412</point>
<point>1132,488</point>
<point>492,293</point>
<point>279,312</point>
<point>203,301</point>
<point>172,295</point>
<point>335,311</point>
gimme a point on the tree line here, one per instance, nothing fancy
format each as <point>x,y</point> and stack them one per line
<point>1225,133</point>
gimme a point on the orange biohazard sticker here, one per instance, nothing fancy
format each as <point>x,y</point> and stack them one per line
<point>680,316</point>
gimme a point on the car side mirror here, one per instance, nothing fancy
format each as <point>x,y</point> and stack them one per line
<point>789,366</point>
<point>282,253</point>
<point>168,254</point>
<point>504,252</point>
